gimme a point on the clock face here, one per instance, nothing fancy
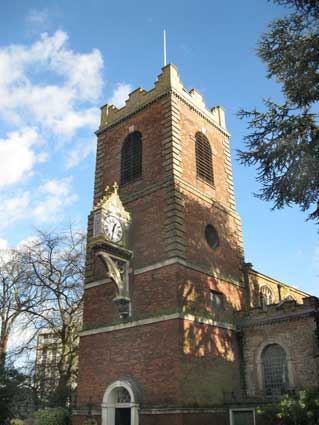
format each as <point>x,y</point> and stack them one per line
<point>113,228</point>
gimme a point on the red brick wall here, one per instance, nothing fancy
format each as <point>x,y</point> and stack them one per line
<point>226,259</point>
<point>152,293</point>
<point>162,291</point>
<point>175,362</point>
<point>147,122</point>
<point>191,123</point>
<point>148,354</point>
<point>148,219</point>
<point>209,364</point>
<point>194,293</point>
<point>98,306</point>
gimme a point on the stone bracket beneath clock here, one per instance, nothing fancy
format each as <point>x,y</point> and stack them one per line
<point>117,271</point>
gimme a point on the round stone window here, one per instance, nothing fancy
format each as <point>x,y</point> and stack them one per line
<point>212,237</point>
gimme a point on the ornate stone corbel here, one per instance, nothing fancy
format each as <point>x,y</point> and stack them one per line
<point>117,270</point>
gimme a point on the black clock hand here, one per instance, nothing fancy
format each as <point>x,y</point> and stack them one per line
<point>113,229</point>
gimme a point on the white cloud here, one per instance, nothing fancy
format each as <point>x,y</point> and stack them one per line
<point>55,195</point>
<point>50,84</point>
<point>49,93</point>
<point>20,334</point>
<point>80,152</point>
<point>3,244</point>
<point>24,243</point>
<point>120,94</point>
<point>73,120</point>
<point>57,187</point>
<point>42,157</point>
<point>45,204</point>
<point>17,156</point>
<point>38,17</point>
<point>5,252</point>
<point>13,209</point>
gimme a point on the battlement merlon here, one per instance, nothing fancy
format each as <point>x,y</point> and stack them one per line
<point>168,80</point>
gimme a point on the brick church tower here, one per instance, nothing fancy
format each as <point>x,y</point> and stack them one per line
<point>164,264</point>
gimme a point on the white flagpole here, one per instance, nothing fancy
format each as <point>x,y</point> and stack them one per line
<point>164,47</point>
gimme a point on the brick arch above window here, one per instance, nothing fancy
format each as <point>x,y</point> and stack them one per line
<point>131,158</point>
<point>204,158</point>
<point>258,360</point>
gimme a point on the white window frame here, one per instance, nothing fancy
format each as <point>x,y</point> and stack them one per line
<point>241,409</point>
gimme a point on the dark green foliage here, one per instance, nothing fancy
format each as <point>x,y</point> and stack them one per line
<point>12,383</point>
<point>284,140</point>
<point>57,416</point>
<point>303,409</point>
<point>308,7</point>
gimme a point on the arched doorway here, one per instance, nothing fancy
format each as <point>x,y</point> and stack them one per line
<point>119,405</point>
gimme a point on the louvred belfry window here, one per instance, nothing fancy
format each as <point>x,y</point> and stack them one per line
<point>204,158</point>
<point>131,159</point>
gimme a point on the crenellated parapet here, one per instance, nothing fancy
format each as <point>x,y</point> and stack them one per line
<point>167,81</point>
<point>275,313</point>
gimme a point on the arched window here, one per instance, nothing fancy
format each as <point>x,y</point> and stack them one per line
<point>131,158</point>
<point>275,370</point>
<point>204,158</point>
<point>266,296</point>
<point>289,297</point>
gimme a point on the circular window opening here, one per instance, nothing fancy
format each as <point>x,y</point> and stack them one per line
<point>212,237</point>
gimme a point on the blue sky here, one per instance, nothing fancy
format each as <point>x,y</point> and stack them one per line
<point>61,60</point>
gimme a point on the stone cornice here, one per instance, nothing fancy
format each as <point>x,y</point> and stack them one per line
<point>169,262</point>
<point>196,267</point>
<point>251,322</point>
<point>157,319</point>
